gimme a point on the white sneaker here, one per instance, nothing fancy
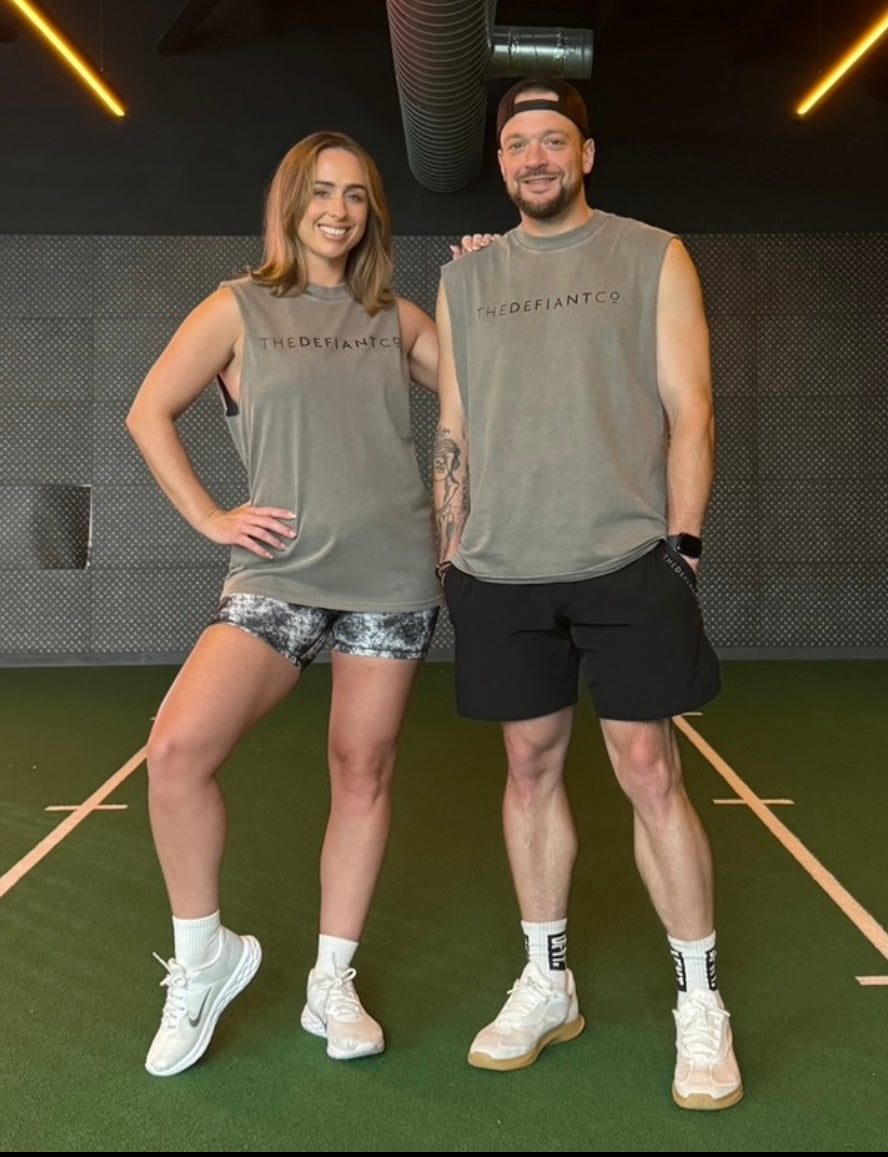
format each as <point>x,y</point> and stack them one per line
<point>196,999</point>
<point>333,1010</point>
<point>706,1072</point>
<point>535,1015</point>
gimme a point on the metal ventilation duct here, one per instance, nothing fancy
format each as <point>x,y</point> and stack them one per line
<point>444,53</point>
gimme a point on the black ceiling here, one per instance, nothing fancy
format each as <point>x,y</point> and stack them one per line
<point>692,106</point>
<point>806,35</point>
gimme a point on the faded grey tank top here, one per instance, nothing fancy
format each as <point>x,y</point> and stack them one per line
<point>323,429</point>
<point>555,349</point>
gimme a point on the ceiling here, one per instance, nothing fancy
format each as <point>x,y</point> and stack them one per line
<point>692,109</point>
<point>806,35</point>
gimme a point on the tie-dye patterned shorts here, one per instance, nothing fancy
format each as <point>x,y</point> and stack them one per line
<point>300,633</point>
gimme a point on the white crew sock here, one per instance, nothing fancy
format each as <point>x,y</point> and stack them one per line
<point>546,946</point>
<point>196,942</point>
<point>694,964</point>
<point>334,954</point>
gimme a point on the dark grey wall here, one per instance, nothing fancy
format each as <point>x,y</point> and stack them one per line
<point>691,107</point>
<point>796,538</point>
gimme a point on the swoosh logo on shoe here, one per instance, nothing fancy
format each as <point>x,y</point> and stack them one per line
<point>195,1021</point>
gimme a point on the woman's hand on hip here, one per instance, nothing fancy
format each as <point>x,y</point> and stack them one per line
<point>255,528</point>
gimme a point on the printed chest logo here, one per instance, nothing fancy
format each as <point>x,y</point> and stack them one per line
<point>307,341</point>
<point>548,304</point>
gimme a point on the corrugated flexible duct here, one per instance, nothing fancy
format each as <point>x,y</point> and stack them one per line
<point>444,53</point>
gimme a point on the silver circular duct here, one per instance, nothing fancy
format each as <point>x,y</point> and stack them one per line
<point>444,52</point>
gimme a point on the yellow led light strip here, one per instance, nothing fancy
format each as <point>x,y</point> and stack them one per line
<point>851,57</point>
<point>71,56</point>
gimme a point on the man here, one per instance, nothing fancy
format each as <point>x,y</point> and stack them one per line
<point>573,468</point>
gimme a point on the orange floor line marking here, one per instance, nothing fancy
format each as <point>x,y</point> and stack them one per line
<point>856,913</point>
<point>769,802</point>
<point>72,807</point>
<point>26,863</point>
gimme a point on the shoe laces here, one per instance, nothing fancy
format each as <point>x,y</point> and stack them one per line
<point>340,997</point>
<point>700,1027</point>
<point>525,996</point>
<point>176,984</point>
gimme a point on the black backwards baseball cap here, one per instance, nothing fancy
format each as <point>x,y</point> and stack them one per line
<point>567,101</point>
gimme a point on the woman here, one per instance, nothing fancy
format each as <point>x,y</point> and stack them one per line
<point>313,354</point>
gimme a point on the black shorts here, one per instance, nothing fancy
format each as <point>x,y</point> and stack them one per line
<point>638,633</point>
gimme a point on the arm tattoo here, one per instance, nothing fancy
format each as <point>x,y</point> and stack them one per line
<point>451,482</point>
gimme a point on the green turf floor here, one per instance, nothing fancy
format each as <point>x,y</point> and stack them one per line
<point>80,998</point>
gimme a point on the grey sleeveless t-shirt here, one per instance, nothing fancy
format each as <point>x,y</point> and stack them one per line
<point>556,358</point>
<point>323,429</point>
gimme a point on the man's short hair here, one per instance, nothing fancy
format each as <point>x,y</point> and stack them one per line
<point>566,101</point>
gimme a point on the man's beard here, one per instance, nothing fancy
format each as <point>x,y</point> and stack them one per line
<point>546,210</point>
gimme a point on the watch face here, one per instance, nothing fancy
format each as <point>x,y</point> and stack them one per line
<point>688,545</point>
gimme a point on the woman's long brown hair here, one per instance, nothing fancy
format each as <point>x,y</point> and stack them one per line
<point>369,270</point>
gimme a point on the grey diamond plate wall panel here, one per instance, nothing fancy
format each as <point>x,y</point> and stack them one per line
<point>47,277</point>
<point>125,350</point>
<point>828,603</point>
<point>138,528</point>
<point>805,357</point>
<point>45,441</point>
<point>418,262</point>
<point>151,612</point>
<point>45,526</point>
<point>45,616</point>
<point>840,437</point>
<point>797,532</point>
<point>822,273</point>
<point>160,277</point>
<point>47,358</point>
<point>727,268</point>
<point>424,419</point>
<point>733,525</point>
<point>733,348</point>
<point>731,600</point>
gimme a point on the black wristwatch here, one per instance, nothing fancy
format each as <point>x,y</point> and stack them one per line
<point>687,544</point>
